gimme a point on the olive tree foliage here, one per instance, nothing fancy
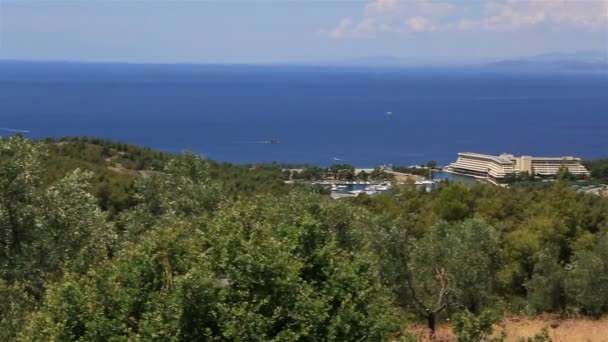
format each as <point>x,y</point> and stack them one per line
<point>15,304</point>
<point>454,202</point>
<point>134,297</point>
<point>44,231</point>
<point>452,268</point>
<point>20,189</point>
<point>587,280</point>
<point>294,273</point>
<point>71,232</point>
<point>476,328</point>
<point>270,269</point>
<point>390,241</point>
<point>546,288</point>
<point>524,245</point>
<point>182,188</point>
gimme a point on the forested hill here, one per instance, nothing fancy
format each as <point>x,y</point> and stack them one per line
<point>103,241</point>
<point>117,166</point>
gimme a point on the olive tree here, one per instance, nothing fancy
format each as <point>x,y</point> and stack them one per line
<point>44,230</point>
<point>587,279</point>
<point>272,269</point>
<point>546,288</point>
<point>453,267</point>
<point>183,188</point>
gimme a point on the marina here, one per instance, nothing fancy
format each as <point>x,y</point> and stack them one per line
<point>341,189</point>
<point>351,188</point>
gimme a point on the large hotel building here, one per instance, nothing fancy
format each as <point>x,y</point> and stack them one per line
<point>497,167</point>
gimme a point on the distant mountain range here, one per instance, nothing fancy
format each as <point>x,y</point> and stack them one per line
<point>576,61</point>
<point>556,61</point>
<point>381,61</point>
<point>580,61</point>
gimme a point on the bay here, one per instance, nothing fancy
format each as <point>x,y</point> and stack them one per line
<point>310,114</point>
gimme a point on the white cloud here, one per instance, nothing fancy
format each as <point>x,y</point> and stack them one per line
<point>514,15</point>
<point>434,9</point>
<point>392,16</point>
<point>419,24</point>
<point>381,6</point>
<point>341,30</point>
<point>365,27</point>
<point>411,17</point>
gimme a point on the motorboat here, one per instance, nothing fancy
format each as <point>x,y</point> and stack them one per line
<point>424,182</point>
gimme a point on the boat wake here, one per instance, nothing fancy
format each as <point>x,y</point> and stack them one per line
<point>272,141</point>
<point>13,130</point>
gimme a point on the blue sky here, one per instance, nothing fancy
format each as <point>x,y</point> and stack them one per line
<point>251,31</point>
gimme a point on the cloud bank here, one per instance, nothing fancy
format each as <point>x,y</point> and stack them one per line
<point>380,17</point>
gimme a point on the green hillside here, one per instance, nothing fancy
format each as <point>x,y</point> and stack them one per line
<point>106,241</point>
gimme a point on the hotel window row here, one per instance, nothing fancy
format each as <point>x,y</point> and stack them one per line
<point>498,167</point>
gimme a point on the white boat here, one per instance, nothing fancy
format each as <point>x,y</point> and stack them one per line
<point>378,187</point>
<point>424,182</point>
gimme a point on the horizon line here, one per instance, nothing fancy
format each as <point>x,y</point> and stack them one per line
<point>369,60</point>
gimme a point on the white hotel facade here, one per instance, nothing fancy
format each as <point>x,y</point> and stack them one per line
<point>498,167</point>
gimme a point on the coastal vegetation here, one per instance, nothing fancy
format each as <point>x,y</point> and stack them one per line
<point>109,241</point>
<point>598,169</point>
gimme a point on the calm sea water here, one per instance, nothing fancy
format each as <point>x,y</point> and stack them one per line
<point>319,114</point>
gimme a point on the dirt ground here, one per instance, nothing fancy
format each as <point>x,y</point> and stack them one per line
<point>560,329</point>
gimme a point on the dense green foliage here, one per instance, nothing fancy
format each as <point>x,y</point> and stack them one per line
<point>105,241</point>
<point>473,328</point>
<point>598,169</point>
<point>116,167</point>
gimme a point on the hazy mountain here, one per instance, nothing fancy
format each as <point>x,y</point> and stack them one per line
<point>379,61</point>
<point>556,61</point>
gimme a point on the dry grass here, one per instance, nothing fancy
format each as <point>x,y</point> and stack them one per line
<point>560,329</point>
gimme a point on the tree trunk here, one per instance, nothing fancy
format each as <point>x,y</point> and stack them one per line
<point>432,322</point>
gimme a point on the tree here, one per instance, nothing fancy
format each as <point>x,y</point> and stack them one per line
<point>564,174</point>
<point>598,169</point>
<point>587,279</point>
<point>15,305</point>
<point>183,188</point>
<point>71,232</point>
<point>476,328</point>
<point>20,183</point>
<point>311,173</point>
<point>524,244</point>
<point>342,171</point>
<point>46,230</point>
<point>362,175</point>
<point>431,164</point>
<point>454,202</point>
<point>453,267</point>
<point>546,289</point>
<point>272,269</point>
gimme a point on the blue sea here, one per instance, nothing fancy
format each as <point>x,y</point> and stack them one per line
<point>321,115</point>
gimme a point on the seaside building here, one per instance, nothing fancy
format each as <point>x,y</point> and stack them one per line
<point>498,167</point>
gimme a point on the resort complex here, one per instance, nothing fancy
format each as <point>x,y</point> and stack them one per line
<point>499,167</point>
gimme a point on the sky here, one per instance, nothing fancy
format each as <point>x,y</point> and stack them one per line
<point>283,31</point>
